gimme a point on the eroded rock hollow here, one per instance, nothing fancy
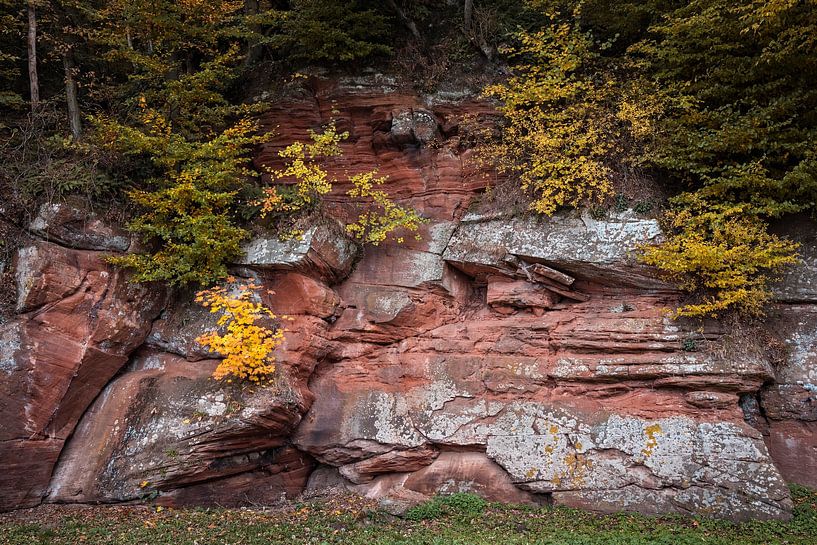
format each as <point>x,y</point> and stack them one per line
<point>523,359</point>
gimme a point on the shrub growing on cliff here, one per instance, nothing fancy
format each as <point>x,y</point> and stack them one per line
<point>567,114</point>
<point>738,81</point>
<point>716,96</point>
<point>719,252</point>
<point>554,138</point>
<point>304,181</point>
<point>188,211</point>
<point>246,346</point>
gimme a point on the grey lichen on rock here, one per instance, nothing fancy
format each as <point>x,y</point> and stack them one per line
<point>71,224</point>
<point>325,249</point>
<point>601,250</point>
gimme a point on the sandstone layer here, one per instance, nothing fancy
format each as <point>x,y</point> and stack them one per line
<point>523,359</point>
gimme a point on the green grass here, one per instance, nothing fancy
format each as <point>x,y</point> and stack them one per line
<point>456,520</point>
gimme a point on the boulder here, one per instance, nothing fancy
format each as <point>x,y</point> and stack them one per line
<point>324,249</point>
<point>576,243</point>
<point>523,359</point>
<point>71,224</point>
<point>166,425</point>
<point>449,473</point>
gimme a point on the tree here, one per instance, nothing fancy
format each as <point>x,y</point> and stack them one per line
<point>10,52</point>
<point>303,166</point>
<point>246,346</point>
<point>188,210</point>
<point>718,97</point>
<point>33,75</point>
<point>738,82</point>
<point>559,131</point>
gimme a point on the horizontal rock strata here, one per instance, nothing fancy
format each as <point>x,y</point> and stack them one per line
<point>522,359</point>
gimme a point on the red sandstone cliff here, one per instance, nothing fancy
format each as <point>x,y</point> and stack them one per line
<point>522,359</point>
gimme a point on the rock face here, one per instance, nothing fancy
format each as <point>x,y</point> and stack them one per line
<point>789,405</point>
<point>72,225</point>
<point>574,243</point>
<point>526,360</point>
<point>181,428</point>
<point>576,386</point>
<point>77,321</point>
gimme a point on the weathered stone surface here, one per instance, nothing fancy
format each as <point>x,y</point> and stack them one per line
<point>448,473</point>
<point>295,293</point>
<point>178,326</point>
<point>793,446</point>
<point>393,461</point>
<point>71,224</point>
<point>504,292</point>
<point>522,359</point>
<point>789,405</point>
<point>281,476</point>
<point>572,242</point>
<point>799,282</point>
<point>324,249</point>
<point>25,469</point>
<point>79,319</point>
<point>488,382</point>
<point>439,179</point>
<point>166,425</point>
<point>413,127</point>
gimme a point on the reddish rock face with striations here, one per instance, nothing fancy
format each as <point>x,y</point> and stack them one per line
<point>77,321</point>
<point>523,359</point>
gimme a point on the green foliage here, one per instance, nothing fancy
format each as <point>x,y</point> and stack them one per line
<point>740,88</point>
<point>457,504</point>
<point>188,211</point>
<point>40,165</point>
<point>182,58</point>
<point>9,56</point>
<point>738,83</point>
<point>303,164</point>
<point>376,224</point>
<point>347,522</point>
<point>719,97</point>
<point>332,30</point>
<point>429,510</point>
<point>689,345</point>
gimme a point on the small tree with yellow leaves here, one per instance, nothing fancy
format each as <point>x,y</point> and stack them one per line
<point>722,253</point>
<point>374,226</point>
<point>558,132</point>
<point>246,346</point>
<point>303,164</point>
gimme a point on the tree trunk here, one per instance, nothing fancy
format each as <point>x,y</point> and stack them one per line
<point>406,20</point>
<point>74,119</point>
<point>33,79</point>
<point>468,14</point>
<point>251,7</point>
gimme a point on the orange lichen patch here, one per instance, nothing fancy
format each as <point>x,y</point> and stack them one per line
<point>576,468</point>
<point>651,431</point>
